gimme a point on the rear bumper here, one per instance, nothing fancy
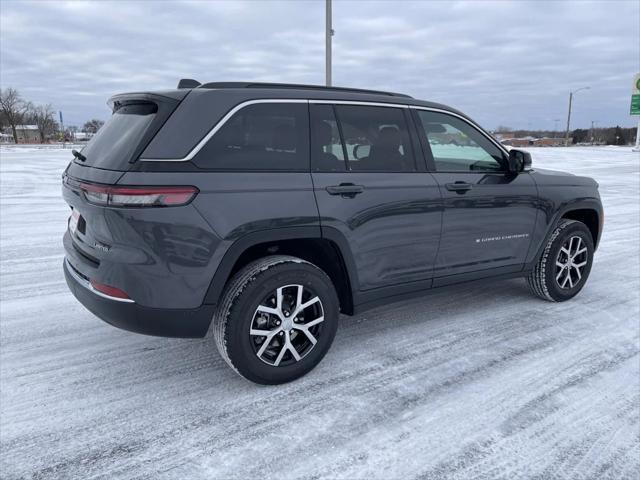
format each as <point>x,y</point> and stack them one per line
<point>128,315</point>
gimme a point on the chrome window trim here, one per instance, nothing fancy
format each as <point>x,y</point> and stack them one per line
<point>88,285</point>
<point>467,121</point>
<point>194,151</point>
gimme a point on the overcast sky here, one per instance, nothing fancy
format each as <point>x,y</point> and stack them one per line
<point>503,63</point>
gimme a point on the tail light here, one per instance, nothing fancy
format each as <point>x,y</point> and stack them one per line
<point>126,196</point>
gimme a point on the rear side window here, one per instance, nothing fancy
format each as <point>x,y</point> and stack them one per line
<point>114,145</point>
<point>263,137</point>
<point>376,138</point>
<point>327,149</point>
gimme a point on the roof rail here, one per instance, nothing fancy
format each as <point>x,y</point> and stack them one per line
<point>297,87</point>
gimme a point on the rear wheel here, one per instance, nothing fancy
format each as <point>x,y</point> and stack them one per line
<point>565,263</point>
<point>276,320</point>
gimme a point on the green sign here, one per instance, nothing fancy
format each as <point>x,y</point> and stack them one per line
<point>635,104</point>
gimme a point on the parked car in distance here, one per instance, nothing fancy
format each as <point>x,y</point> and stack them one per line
<point>269,209</point>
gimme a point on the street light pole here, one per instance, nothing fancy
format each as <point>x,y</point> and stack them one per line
<point>328,34</point>
<point>566,136</point>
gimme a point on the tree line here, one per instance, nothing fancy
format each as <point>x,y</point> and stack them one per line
<point>600,135</point>
<point>16,111</point>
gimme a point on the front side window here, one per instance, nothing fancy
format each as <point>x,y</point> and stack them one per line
<point>263,137</point>
<point>457,146</point>
<point>376,138</point>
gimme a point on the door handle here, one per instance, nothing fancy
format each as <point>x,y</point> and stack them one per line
<point>347,190</point>
<point>458,187</point>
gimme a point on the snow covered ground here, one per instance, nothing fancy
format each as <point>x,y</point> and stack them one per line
<point>475,381</point>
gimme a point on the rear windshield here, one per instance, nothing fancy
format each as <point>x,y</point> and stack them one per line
<point>114,145</point>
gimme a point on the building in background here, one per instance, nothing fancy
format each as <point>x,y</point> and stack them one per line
<point>530,141</point>
<point>83,136</point>
<point>25,134</point>
<point>550,142</point>
<point>518,142</point>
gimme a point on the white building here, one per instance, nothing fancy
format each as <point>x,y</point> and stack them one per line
<point>27,133</point>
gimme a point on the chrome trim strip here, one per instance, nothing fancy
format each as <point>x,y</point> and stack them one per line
<point>88,285</point>
<point>240,106</point>
<point>466,120</point>
<point>219,125</point>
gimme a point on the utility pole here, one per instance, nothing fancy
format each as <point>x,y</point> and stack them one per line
<point>566,136</point>
<point>328,34</point>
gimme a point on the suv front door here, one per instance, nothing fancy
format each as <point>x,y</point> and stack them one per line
<point>489,213</point>
<point>370,189</point>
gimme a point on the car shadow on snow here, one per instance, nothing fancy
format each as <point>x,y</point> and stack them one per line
<point>171,358</point>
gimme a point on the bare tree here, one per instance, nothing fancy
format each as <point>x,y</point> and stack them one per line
<point>3,121</point>
<point>92,126</point>
<point>43,116</point>
<point>13,109</point>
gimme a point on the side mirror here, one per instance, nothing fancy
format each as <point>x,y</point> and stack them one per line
<point>519,160</point>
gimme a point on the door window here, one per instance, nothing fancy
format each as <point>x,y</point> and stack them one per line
<point>327,150</point>
<point>263,136</point>
<point>456,146</point>
<point>376,138</point>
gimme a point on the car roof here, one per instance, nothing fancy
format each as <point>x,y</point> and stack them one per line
<point>257,90</point>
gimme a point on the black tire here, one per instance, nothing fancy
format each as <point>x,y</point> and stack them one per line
<point>542,279</point>
<point>236,314</point>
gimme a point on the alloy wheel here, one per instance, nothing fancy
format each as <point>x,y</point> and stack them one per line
<point>571,261</point>
<point>286,325</point>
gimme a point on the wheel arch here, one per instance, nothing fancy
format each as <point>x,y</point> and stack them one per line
<point>590,217</point>
<point>329,252</point>
<point>588,209</point>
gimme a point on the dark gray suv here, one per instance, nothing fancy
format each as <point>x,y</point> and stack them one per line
<point>271,208</point>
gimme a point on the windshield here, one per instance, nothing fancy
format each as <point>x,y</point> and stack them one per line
<point>114,145</point>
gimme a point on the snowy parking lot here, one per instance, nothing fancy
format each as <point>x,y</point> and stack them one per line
<point>475,381</point>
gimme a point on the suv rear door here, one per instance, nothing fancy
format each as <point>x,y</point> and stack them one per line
<point>489,213</point>
<point>370,188</point>
<point>105,159</point>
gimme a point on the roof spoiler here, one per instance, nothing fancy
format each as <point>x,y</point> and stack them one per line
<point>188,83</point>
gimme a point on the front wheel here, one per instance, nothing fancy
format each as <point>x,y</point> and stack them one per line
<point>276,320</point>
<point>565,263</point>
